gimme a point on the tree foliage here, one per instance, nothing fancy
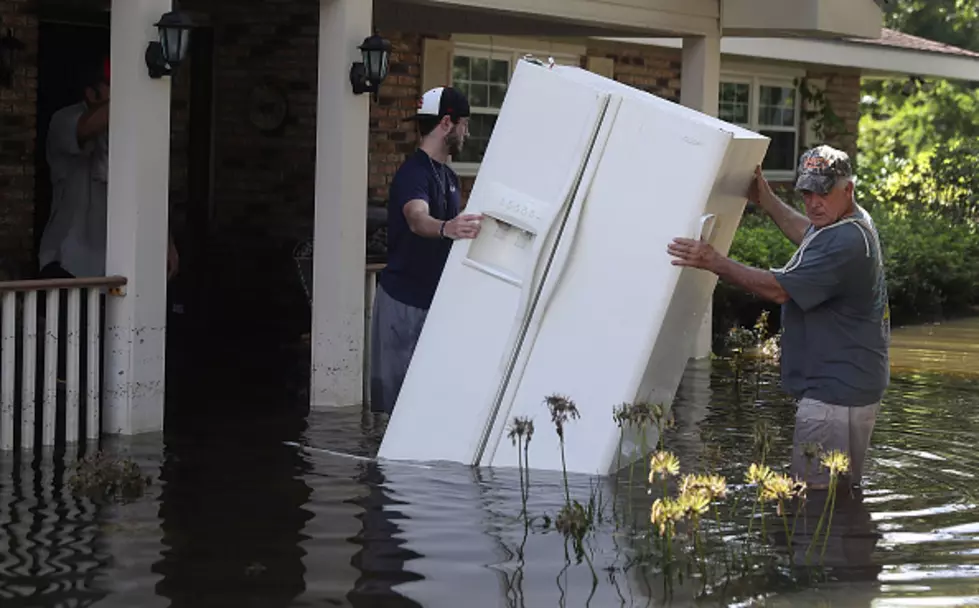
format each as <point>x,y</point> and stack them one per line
<point>895,123</point>
<point>954,22</point>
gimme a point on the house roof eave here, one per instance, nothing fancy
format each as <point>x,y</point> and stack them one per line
<point>872,58</point>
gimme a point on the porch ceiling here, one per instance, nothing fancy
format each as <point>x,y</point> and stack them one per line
<point>572,18</point>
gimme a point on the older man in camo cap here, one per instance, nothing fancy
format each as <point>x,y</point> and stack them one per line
<point>835,315</point>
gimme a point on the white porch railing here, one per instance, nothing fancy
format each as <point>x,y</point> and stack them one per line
<point>23,329</point>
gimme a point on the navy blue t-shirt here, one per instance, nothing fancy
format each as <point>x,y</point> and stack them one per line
<point>837,322</point>
<point>415,263</point>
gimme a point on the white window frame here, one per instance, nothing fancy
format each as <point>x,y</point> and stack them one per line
<point>511,54</point>
<point>756,81</point>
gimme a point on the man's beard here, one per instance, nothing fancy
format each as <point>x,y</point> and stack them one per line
<point>453,143</point>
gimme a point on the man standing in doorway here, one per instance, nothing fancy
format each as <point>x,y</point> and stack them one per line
<point>423,219</point>
<point>74,239</point>
<point>835,313</point>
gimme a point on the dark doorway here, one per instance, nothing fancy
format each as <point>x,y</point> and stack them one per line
<point>188,335</point>
<point>192,228</point>
<point>65,44</point>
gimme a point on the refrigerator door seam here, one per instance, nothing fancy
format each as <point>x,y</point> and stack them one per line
<point>533,290</point>
<point>561,256</point>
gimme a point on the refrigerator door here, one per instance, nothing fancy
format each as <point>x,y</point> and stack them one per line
<point>592,338</point>
<point>529,175</point>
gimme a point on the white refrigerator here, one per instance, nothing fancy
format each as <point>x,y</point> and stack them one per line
<point>569,288</point>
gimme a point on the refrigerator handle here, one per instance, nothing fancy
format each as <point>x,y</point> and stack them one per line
<point>560,260</point>
<point>531,283</point>
<point>706,230</point>
<point>573,219</point>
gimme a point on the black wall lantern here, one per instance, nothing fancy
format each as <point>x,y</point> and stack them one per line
<point>9,46</point>
<point>366,76</point>
<point>163,56</point>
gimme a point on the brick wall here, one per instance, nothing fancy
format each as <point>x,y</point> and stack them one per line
<point>18,111</point>
<point>655,70</point>
<point>391,137</point>
<point>843,96</point>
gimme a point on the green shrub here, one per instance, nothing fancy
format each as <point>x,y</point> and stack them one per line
<point>931,264</point>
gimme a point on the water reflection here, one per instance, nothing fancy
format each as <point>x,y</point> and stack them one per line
<point>53,551</point>
<point>382,558</point>
<point>239,541</point>
<point>238,515</point>
<point>846,554</point>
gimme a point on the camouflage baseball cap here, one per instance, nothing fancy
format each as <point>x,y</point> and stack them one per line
<point>820,167</point>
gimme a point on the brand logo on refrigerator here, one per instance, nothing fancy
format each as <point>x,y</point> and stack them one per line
<point>523,210</point>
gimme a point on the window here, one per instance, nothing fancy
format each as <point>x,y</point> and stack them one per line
<point>770,107</point>
<point>484,81</point>
<point>482,74</point>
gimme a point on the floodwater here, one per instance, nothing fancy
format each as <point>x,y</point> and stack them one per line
<point>237,515</point>
<point>950,347</point>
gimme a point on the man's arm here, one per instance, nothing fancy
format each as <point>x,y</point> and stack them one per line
<point>820,273</point>
<point>760,282</point>
<point>173,258</point>
<point>423,224</point>
<point>93,122</point>
<point>792,223</point>
<point>698,254</point>
<point>420,221</point>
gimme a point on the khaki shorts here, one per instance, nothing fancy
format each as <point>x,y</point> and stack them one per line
<point>833,427</point>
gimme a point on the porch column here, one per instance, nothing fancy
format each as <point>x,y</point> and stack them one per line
<point>138,197</point>
<point>699,89</point>
<point>339,249</point>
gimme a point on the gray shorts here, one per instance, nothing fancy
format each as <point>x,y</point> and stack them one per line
<point>395,328</point>
<point>833,427</point>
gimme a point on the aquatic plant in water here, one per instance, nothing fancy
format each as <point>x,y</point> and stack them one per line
<point>520,433</point>
<point>756,343</point>
<point>664,465</point>
<point>100,477</point>
<point>676,520</point>
<point>562,409</point>
<point>573,520</point>
<point>763,437</point>
<point>778,488</point>
<point>737,341</point>
<point>838,464</point>
<point>640,415</point>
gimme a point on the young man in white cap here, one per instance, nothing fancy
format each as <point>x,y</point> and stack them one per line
<point>423,219</point>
